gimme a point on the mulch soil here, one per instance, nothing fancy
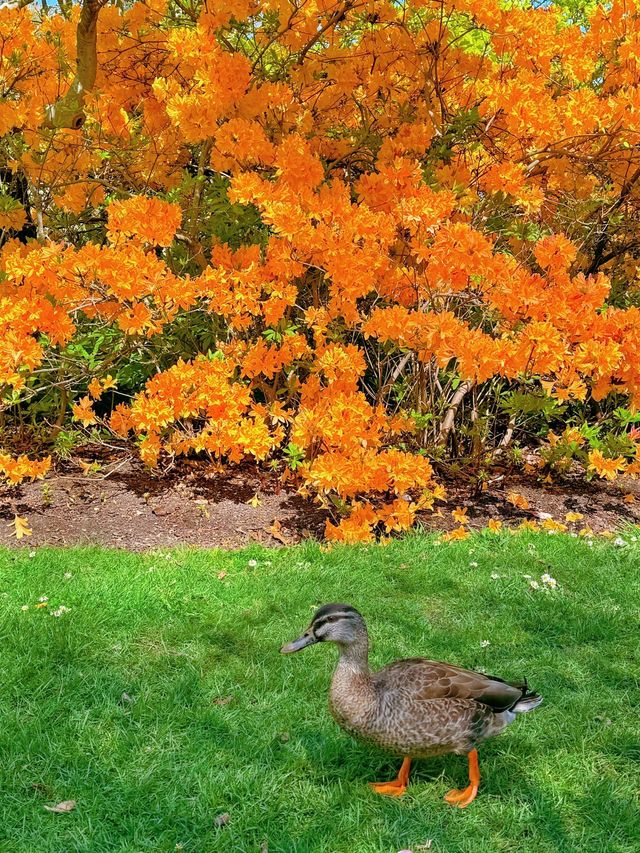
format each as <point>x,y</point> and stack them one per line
<point>124,505</point>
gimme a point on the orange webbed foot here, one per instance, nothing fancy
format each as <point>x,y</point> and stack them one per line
<point>463,798</point>
<point>398,786</point>
<point>389,789</point>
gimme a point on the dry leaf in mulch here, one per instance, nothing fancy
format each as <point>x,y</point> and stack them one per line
<point>21,527</point>
<point>62,808</point>
<point>276,531</point>
<point>518,500</point>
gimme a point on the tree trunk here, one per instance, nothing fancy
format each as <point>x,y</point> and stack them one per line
<point>68,111</point>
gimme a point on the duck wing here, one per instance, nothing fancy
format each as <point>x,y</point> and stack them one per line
<point>419,678</point>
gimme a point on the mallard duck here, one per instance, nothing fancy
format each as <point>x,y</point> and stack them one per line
<point>414,708</point>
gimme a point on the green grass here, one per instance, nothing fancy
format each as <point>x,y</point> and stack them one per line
<point>152,774</point>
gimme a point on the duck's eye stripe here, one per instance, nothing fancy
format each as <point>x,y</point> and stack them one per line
<point>334,617</point>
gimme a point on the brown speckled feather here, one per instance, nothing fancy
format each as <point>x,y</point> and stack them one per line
<point>421,708</point>
<point>429,679</point>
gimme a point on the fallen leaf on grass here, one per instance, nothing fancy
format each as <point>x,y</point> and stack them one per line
<point>223,700</point>
<point>222,575</point>
<point>20,527</point>
<point>454,535</point>
<point>222,819</point>
<point>62,808</point>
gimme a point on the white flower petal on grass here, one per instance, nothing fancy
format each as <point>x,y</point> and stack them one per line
<point>619,542</point>
<point>473,564</point>
<point>60,611</point>
<point>252,564</point>
<point>485,643</point>
<point>67,576</point>
<point>495,576</point>
<point>24,607</point>
<point>534,584</point>
<point>549,582</point>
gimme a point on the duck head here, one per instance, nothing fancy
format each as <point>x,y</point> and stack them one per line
<point>331,623</point>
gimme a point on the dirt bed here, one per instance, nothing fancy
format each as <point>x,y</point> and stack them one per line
<point>118,503</point>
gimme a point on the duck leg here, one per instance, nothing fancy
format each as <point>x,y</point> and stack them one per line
<point>463,798</point>
<point>398,786</point>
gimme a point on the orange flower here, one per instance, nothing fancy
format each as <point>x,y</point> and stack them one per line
<point>456,535</point>
<point>22,468</point>
<point>460,515</point>
<point>152,220</point>
<point>606,468</point>
<point>83,412</point>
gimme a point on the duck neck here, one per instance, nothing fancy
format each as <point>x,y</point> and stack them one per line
<point>354,656</point>
<point>351,691</point>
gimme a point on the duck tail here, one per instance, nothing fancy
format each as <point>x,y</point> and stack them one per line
<point>527,702</point>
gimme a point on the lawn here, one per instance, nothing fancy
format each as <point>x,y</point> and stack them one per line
<point>160,702</point>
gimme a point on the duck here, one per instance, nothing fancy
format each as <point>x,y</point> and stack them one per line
<point>413,708</point>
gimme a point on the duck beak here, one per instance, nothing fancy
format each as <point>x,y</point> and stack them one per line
<point>301,643</point>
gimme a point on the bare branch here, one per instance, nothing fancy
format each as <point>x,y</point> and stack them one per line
<point>450,415</point>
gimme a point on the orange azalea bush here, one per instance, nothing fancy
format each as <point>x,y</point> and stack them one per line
<point>345,237</point>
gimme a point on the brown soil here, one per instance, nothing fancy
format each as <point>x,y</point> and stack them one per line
<point>124,505</point>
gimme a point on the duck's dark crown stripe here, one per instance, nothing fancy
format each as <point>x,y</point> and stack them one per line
<point>319,622</point>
